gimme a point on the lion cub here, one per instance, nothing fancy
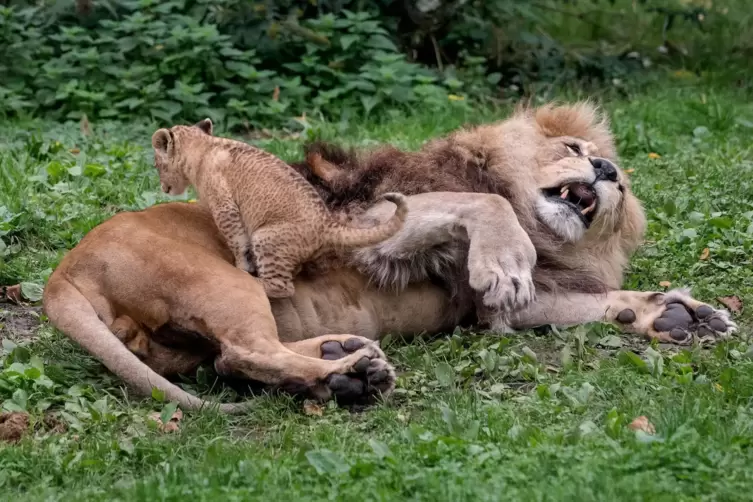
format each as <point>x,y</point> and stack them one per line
<point>259,203</point>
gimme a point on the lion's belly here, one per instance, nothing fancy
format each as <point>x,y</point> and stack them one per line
<point>343,302</point>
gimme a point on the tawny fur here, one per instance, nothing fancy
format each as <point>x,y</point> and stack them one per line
<point>513,158</point>
<point>259,203</point>
<point>169,270</point>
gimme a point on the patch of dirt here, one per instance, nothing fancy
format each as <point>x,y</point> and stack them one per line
<point>13,426</point>
<point>18,321</point>
<point>51,423</point>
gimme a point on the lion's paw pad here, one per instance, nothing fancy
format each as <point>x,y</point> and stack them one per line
<point>684,324</point>
<point>370,375</point>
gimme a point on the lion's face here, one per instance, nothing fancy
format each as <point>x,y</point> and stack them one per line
<point>580,192</point>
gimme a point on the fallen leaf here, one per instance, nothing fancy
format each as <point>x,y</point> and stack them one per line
<point>312,408</point>
<point>12,294</point>
<point>705,254</point>
<point>75,151</point>
<point>733,303</point>
<point>654,156</point>
<point>642,424</point>
<point>683,74</point>
<point>276,93</point>
<point>665,284</point>
<point>171,425</point>
<point>629,171</point>
<point>13,425</point>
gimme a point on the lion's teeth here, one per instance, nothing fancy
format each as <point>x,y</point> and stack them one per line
<point>588,209</point>
<point>565,187</point>
<point>564,193</point>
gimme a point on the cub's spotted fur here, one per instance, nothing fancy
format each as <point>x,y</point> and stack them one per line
<point>259,203</point>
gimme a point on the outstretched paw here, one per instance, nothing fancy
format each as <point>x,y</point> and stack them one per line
<point>675,317</point>
<point>369,375</point>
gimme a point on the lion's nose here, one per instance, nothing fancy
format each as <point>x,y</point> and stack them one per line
<point>605,170</point>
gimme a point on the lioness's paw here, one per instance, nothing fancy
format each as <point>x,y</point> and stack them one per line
<point>367,373</point>
<point>506,282</point>
<point>676,317</point>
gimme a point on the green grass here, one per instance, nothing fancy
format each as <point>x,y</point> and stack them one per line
<point>530,416</point>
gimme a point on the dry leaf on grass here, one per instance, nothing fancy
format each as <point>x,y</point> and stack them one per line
<point>705,254</point>
<point>312,408</point>
<point>733,303</point>
<point>276,94</point>
<point>629,171</point>
<point>665,284</point>
<point>170,426</point>
<point>11,294</point>
<point>13,426</point>
<point>642,424</point>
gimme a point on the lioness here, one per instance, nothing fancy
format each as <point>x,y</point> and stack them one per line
<point>503,223</point>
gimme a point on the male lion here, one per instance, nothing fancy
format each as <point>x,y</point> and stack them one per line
<point>527,221</point>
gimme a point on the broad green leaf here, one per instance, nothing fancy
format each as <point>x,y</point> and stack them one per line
<point>445,375</point>
<point>32,291</point>
<point>327,462</point>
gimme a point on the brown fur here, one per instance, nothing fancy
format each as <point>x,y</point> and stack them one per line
<point>259,203</point>
<point>503,159</point>
<point>169,270</point>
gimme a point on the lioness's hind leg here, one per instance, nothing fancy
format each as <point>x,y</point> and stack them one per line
<point>379,374</point>
<point>277,255</point>
<point>132,335</point>
<point>357,376</point>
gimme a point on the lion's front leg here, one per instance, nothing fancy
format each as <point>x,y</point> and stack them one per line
<point>672,317</point>
<point>501,256</point>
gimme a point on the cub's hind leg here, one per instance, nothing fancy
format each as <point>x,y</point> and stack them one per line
<point>279,251</point>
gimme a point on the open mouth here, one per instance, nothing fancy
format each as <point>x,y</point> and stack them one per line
<point>580,197</point>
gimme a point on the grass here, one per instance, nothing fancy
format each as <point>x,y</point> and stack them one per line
<point>475,417</point>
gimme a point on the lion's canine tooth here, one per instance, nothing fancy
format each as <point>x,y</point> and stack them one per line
<point>564,187</point>
<point>588,209</point>
<point>564,193</point>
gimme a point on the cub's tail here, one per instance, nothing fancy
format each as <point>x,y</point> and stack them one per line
<point>73,314</point>
<point>339,236</point>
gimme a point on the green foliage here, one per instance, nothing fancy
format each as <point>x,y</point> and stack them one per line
<point>161,61</point>
<point>529,415</point>
<point>253,64</point>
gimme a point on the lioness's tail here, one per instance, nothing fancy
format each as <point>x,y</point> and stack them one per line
<point>74,315</point>
<point>341,236</point>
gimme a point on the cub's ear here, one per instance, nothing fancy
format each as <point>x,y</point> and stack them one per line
<point>205,125</point>
<point>162,141</point>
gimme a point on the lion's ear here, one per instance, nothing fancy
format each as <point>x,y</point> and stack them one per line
<point>162,141</point>
<point>206,126</point>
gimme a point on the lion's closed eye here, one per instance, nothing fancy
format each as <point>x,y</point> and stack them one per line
<point>574,149</point>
